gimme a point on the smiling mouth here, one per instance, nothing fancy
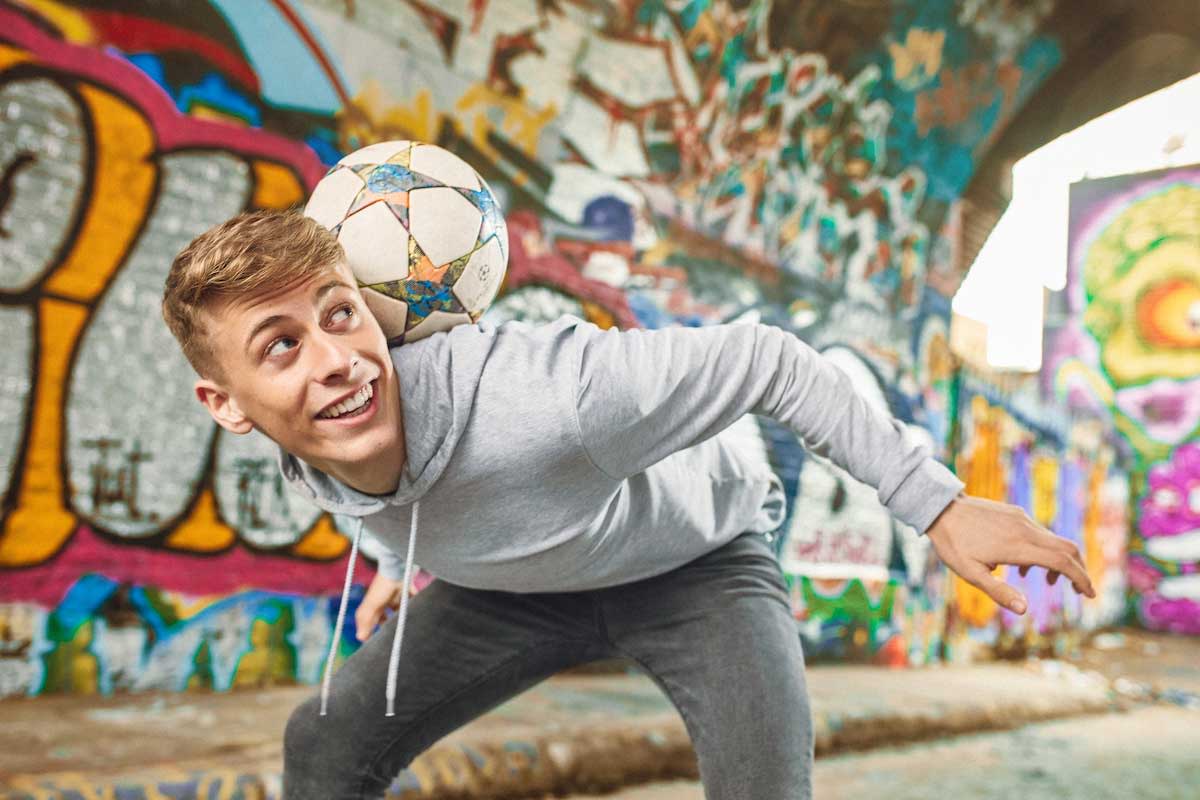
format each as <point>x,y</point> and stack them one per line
<point>355,405</point>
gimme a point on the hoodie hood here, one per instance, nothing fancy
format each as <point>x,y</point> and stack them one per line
<point>438,377</point>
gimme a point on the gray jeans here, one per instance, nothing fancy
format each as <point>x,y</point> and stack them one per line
<point>716,635</point>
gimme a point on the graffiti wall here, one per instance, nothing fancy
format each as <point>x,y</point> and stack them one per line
<point>1066,474</point>
<point>1131,348</point>
<point>659,163</point>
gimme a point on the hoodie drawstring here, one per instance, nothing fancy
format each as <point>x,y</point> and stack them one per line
<point>341,617</point>
<point>397,638</point>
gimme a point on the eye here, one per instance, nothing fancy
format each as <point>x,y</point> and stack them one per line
<point>280,346</point>
<point>341,314</point>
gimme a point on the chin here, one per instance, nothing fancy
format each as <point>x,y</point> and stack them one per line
<point>357,450</point>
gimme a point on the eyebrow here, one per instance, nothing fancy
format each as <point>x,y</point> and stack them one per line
<point>275,318</point>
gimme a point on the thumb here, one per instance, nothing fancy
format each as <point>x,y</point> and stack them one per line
<point>1003,593</point>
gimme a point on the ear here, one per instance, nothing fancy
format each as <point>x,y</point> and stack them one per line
<point>223,408</point>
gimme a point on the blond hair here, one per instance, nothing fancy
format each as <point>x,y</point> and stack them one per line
<point>239,257</point>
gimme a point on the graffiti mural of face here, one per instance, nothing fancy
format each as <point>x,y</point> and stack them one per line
<point>289,357</point>
<point>1141,275</point>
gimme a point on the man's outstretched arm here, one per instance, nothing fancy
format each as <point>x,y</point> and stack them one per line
<point>643,395</point>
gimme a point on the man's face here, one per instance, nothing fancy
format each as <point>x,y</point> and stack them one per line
<point>307,365</point>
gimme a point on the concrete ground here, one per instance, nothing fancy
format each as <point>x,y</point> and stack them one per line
<point>1150,753</point>
<point>1160,664</point>
<point>574,733</point>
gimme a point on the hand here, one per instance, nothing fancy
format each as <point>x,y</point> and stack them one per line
<point>973,536</point>
<point>383,593</point>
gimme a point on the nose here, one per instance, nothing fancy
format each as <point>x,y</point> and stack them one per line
<point>333,359</point>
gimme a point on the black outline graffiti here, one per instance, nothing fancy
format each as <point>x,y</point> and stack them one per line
<point>23,161</point>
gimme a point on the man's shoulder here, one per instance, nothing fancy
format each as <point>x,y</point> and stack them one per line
<point>529,328</point>
<point>519,338</point>
<point>511,347</point>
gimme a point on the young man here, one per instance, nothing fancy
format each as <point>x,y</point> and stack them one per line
<point>568,487</point>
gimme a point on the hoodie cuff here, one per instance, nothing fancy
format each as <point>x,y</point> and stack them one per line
<point>924,494</point>
<point>390,564</point>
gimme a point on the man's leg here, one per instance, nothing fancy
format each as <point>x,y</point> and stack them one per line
<point>464,652</point>
<point>718,635</point>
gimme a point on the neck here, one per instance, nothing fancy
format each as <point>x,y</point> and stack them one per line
<point>380,476</point>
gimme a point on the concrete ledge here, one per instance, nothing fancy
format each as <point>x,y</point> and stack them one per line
<point>585,734</point>
<point>929,704</point>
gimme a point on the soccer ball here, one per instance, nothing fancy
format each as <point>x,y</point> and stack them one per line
<point>422,232</point>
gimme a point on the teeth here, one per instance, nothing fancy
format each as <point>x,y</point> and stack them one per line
<point>354,403</point>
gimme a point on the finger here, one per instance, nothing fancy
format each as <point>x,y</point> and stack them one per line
<point>365,621</point>
<point>1052,541</point>
<point>1057,558</point>
<point>1059,561</point>
<point>1003,593</point>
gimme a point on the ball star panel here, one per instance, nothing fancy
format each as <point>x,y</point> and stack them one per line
<point>445,224</point>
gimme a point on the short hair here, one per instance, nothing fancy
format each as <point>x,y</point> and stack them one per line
<point>241,256</point>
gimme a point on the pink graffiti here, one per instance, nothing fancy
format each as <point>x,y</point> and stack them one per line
<point>839,547</point>
<point>1176,615</point>
<point>1143,577</point>
<point>1168,409</point>
<point>188,573</point>
<point>535,261</point>
<point>1171,505</point>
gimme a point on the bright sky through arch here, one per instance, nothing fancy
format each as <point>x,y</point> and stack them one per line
<point>1027,250</point>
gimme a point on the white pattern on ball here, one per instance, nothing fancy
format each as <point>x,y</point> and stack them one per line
<point>390,313</point>
<point>376,244</point>
<point>338,190</point>
<point>478,285</point>
<point>444,223</point>
<point>447,167</point>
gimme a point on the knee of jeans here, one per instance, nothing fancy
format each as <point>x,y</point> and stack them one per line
<point>302,734</point>
<point>331,750</point>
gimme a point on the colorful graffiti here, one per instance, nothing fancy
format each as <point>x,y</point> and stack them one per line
<point>104,180</point>
<point>658,164</point>
<point>1131,348</point>
<point>1169,523</point>
<point>1064,473</point>
<point>865,587</point>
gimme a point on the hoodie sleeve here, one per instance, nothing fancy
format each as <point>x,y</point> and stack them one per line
<point>391,565</point>
<point>643,395</point>
<point>388,562</point>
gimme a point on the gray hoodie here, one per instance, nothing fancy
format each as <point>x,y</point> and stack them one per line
<point>564,457</point>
